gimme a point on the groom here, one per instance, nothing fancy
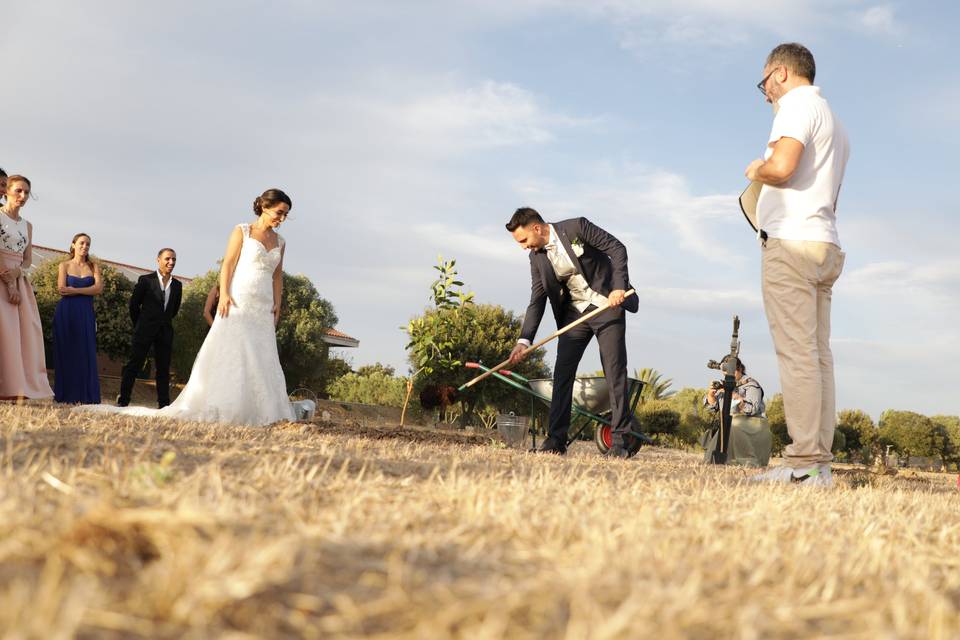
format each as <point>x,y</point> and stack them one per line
<point>579,267</point>
<point>153,305</point>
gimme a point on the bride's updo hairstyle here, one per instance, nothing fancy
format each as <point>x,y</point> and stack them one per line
<point>269,199</point>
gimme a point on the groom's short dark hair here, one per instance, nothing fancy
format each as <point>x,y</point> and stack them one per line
<point>160,253</point>
<point>522,217</point>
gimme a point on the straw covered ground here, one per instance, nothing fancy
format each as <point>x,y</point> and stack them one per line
<point>120,528</point>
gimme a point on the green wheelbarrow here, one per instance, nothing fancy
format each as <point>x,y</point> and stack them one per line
<point>591,405</point>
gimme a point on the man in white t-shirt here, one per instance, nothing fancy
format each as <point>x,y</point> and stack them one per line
<point>801,174</point>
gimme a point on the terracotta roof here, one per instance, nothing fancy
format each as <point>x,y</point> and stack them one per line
<point>340,339</point>
<point>333,337</point>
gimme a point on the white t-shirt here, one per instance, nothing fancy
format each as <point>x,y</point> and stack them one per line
<point>804,207</point>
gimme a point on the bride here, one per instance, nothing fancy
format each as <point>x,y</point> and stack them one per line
<point>236,377</point>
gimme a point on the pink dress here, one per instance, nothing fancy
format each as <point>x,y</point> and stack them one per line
<point>22,369</point>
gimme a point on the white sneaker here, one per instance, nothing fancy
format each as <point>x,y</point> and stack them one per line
<point>826,473</point>
<point>815,476</point>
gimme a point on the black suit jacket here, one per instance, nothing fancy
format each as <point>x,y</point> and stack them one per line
<point>146,304</point>
<point>603,265</point>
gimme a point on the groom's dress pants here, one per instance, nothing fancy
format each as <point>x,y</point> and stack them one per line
<point>610,329</point>
<point>162,342</point>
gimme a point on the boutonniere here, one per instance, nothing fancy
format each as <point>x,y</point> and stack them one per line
<point>577,245</point>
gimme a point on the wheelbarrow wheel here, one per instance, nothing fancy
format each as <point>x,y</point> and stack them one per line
<point>603,436</point>
<point>632,441</point>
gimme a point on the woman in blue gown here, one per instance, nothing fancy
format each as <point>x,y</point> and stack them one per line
<point>75,327</point>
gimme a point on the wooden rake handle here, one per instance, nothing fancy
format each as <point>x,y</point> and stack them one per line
<point>554,335</point>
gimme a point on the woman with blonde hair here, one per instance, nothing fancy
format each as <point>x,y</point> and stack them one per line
<point>77,379</point>
<point>23,372</point>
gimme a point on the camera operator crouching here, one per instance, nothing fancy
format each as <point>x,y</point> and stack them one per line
<point>750,438</point>
<point>747,398</point>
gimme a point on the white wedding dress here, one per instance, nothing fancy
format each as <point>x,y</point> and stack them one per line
<point>236,377</point>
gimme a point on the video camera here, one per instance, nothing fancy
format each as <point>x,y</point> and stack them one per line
<point>728,365</point>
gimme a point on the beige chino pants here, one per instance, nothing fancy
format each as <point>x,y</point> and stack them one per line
<point>798,279</point>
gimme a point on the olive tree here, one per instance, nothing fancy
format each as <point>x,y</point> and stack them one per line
<point>912,434</point>
<point>860,434</point>
<point>951,428</point>
<point>304,319</point>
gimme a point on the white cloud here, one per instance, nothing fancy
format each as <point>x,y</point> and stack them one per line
<point>879,20</point>
<point>490,114</point>
<point>488,243</point>
<point>647,27</point>
<point>651,200</point>
<point>931,286</point>
<point>699,299</point>
<point>412,119</point>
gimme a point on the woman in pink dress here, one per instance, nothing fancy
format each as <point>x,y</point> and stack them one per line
<point>23,373</point>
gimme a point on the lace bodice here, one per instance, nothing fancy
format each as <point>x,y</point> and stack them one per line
<point>266,258</point>
<point>13,233</point>
<point>252,285</point>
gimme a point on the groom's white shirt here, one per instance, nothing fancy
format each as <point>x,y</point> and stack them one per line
<point>165,289</point>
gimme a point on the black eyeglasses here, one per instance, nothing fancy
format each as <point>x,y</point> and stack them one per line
<point>762,85</point>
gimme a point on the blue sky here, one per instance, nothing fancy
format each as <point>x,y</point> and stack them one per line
<point>404,130</point>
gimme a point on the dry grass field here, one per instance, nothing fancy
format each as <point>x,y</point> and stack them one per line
<point>119,528</point>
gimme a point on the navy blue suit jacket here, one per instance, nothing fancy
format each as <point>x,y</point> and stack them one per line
<point>603,265</point>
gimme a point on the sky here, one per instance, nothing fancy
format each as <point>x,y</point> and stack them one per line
<point>408,130</point>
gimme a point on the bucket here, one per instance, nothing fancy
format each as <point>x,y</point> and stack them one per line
<point>303,408</point>
<point>513,429</point>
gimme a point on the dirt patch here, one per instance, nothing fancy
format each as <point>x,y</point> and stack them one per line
<point>419,435</point>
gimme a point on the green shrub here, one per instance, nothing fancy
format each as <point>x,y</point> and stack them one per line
<point>374,387</point>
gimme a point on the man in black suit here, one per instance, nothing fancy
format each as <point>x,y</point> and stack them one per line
<point>153,305</point>
<point>578,267</point>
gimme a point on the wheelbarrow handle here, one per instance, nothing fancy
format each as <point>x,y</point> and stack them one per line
<point>477,365</point>
<point>554,335</point>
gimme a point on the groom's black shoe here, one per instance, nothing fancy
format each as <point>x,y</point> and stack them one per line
<point>618,451</point>
<point>633,439</point>
<point>551,445</point>
<point>121,402</point>
<point>618,447</point>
